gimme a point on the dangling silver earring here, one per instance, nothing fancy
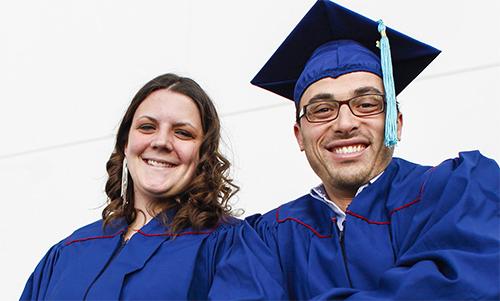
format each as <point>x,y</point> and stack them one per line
<point>123,192</point>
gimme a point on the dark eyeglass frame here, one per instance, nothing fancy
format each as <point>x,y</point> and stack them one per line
<point>303,111</point>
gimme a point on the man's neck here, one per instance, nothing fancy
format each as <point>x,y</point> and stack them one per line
<point>342,198</point>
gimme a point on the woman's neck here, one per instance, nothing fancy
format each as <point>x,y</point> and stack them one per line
<point>145,212</point>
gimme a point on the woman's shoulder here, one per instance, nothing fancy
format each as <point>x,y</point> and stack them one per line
<point>96,230</point>
<point>225,225</point>
<point>92,228</point>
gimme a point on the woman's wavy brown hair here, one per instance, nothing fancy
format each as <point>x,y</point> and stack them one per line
<point>205,201</point>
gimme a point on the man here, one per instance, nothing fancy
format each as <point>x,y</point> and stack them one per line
<point>377,227</point>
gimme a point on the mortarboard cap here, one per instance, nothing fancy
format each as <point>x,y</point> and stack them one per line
<point>330,41</point>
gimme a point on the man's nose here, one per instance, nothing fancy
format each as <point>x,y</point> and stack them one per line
<point>346,121</point>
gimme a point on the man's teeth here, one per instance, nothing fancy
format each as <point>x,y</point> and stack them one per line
<point>349,149</point>
<point>159,164</point>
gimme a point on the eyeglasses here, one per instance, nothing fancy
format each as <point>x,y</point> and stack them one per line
<point>328,110</point>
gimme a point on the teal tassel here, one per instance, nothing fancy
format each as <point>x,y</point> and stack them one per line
<point>391,127</point>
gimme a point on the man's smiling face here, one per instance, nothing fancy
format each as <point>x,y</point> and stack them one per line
<point>349,151</point>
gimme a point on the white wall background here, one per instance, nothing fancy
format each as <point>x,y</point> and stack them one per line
<point>68,70</point>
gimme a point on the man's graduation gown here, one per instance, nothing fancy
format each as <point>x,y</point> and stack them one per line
<point>416,233</point>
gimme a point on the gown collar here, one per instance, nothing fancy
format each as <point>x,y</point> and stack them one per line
<point>318,217</point>
<point>154,228</point>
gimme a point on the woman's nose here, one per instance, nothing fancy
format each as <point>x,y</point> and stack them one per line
<point>162,140</point>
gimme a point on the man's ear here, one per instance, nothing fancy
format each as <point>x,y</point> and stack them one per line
<point>400,125</point>
<point>298,135</point>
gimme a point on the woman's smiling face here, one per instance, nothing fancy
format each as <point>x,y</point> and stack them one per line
<point>163,145</point>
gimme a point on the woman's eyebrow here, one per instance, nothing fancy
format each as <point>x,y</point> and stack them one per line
<point>146,117</point>
<point>184,123</point>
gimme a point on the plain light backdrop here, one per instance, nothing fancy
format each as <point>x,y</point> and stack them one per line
<point>68,70</point>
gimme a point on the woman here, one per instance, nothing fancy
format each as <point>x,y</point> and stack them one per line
<point>167,231</point>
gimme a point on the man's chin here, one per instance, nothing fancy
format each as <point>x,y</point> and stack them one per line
<point>350,177</point>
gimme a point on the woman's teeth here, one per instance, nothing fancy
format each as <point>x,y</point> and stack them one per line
<point>158,163</point>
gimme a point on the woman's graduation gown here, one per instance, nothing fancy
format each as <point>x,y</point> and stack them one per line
<point>228,262</point>
<point>415,233</point>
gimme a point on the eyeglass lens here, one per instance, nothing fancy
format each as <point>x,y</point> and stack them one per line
<point>363,105</point>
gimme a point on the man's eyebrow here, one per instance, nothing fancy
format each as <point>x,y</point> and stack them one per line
<point>321,97</point>
<point>359,91</point>
<point>366,90</point>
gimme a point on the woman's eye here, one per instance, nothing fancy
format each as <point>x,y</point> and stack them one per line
<point>146,127</point>
<point>184,133</point>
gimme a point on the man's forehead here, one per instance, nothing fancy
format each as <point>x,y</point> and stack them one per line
<point>343,87</point>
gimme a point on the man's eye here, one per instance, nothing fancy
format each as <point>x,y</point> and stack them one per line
<point>322,109</point>
<point>367,105</point>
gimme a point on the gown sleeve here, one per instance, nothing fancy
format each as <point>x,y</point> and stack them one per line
<point>38,283</point>
<point>266,229</point>
<point>447,247</point>
<point>245,269</point>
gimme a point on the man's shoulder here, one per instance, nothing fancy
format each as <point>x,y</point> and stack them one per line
<point>465,173</point>
<point>407,182</point>
<point>299,203</point>
<point>454,183</point>
<point>468,166</point>
<point>465,159</point>
<point>305,212</point>
<point>469,160</point>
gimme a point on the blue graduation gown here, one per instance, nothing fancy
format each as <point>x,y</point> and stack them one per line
<point>228,262</point>
<point>416,233</point>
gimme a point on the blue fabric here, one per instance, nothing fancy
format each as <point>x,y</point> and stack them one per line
<point>325,22</point>
<point>229,262</point>
<point>416,233</point>
<point>334,59</point>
